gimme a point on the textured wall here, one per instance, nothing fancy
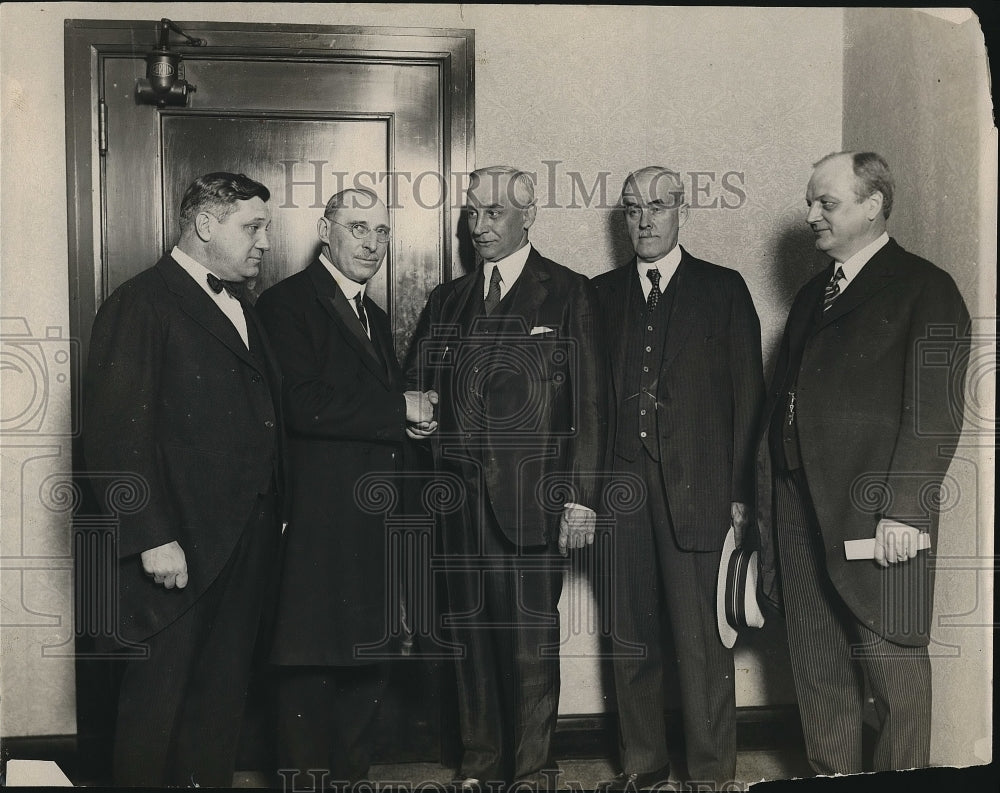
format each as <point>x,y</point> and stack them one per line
<point>916,91</point>
<point>600,90</point>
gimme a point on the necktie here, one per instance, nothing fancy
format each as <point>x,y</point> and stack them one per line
<point>493,295</point>
<point>362,315</point>
<point>833,288</point>
<point>217,285</point>
<point>654,294</point>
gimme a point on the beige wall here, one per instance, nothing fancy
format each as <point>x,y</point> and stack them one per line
<point>915,90</point>
<point>758,92</point>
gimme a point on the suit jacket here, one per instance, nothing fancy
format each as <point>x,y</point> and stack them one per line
<point>345,418</point>
<point>173,396</point>
<point>711,389</point>
<point>524,403</point>
<point>879,402</point>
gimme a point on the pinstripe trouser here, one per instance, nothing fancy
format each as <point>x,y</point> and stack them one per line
<point>833,653</point>
<point>652,571</point>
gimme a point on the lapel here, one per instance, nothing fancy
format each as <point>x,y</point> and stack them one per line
<point>530,290</point>
<point>874,276</point>
<point>333,301</point>
<point>458,300</point>
<point>686,309</point>
<point>202,309</point>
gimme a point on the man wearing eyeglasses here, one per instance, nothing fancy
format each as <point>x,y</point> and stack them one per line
<point>687,385</point>
<point>347,415</point>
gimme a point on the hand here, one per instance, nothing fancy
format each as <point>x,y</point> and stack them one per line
<point>420,407</point>
<point>576,527</point>
<point>167,565</point>
<point>895,542</point>
<point>420,431</point>
<point>741,519</point>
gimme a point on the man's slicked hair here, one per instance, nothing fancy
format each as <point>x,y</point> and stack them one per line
<point>521,184</point>
<point>871,173</point>
<point>217,194</point>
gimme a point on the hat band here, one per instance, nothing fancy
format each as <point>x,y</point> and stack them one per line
<point>736,582</point>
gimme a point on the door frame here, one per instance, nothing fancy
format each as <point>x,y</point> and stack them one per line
<point>89,42</point>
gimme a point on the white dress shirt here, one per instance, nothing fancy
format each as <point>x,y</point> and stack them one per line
<point>667,265</point>
<point>510,268</point>
<point>854,264</point>
<point>347,286</point>
<point>227,304</point>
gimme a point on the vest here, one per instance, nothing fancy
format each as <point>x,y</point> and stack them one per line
<point>647,334</point>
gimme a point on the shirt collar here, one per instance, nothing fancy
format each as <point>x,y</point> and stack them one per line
<point>510,268</point>
<point>854,263</point>
<point>199,273</point>
<point>667,265</point>
<point>347,286</point>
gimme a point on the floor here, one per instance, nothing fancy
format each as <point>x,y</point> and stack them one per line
<point>752,766</point>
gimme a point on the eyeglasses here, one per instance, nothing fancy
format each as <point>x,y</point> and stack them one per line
<point>362,230</point>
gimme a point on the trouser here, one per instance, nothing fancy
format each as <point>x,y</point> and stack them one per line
<point>180,709</point>
<point>832,654</point>
<point>654,575</point>
<point>503,612</point>
<point>325,717</point>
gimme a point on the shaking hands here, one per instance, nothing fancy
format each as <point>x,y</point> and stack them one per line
<point>420,413</point>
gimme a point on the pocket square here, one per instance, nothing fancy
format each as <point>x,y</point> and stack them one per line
<point>540,329</point>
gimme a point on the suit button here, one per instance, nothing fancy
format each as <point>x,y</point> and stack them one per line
<point>255,378</point>
<point>269,424</point>
<point>649,349</point>
<point>642,412</point>
<point>649,327</point>
<point>642,434</point>
<point>645,368</point>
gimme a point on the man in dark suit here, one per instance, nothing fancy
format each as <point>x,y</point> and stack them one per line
<point>687,386</point>
<point>182,390</point>
<point>859,435</point>
<point>346,415</point>
<point>513,351</point>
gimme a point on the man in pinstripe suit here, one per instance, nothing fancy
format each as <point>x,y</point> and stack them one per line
<point>687,388</point>
<point>858,438</point>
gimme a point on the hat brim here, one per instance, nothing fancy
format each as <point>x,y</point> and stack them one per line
<point>727,633</point>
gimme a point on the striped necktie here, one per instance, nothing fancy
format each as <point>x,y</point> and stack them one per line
<point>833,288</point>
<point>493,295</point>
<point>362,314</point>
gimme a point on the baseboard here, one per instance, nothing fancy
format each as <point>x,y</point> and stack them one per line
<point>595,736</point>
<point>578,737</point>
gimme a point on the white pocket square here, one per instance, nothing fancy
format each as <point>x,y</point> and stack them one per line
<point>540,329</point>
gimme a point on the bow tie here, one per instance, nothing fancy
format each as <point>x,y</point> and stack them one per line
<point>217,285</point>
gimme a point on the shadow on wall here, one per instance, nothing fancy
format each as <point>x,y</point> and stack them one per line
<point>621,244</point>
<point>795,261</point>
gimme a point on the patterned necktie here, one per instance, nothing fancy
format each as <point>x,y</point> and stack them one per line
<point>217,285</point>
<point>654,294</point>
<point>833,288</point>
<point>362,315</point>
<point>493,295</point>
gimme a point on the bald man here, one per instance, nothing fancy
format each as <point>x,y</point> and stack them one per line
<point>512,349</point>
<point>687,385</point>
<point>347,414</point>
